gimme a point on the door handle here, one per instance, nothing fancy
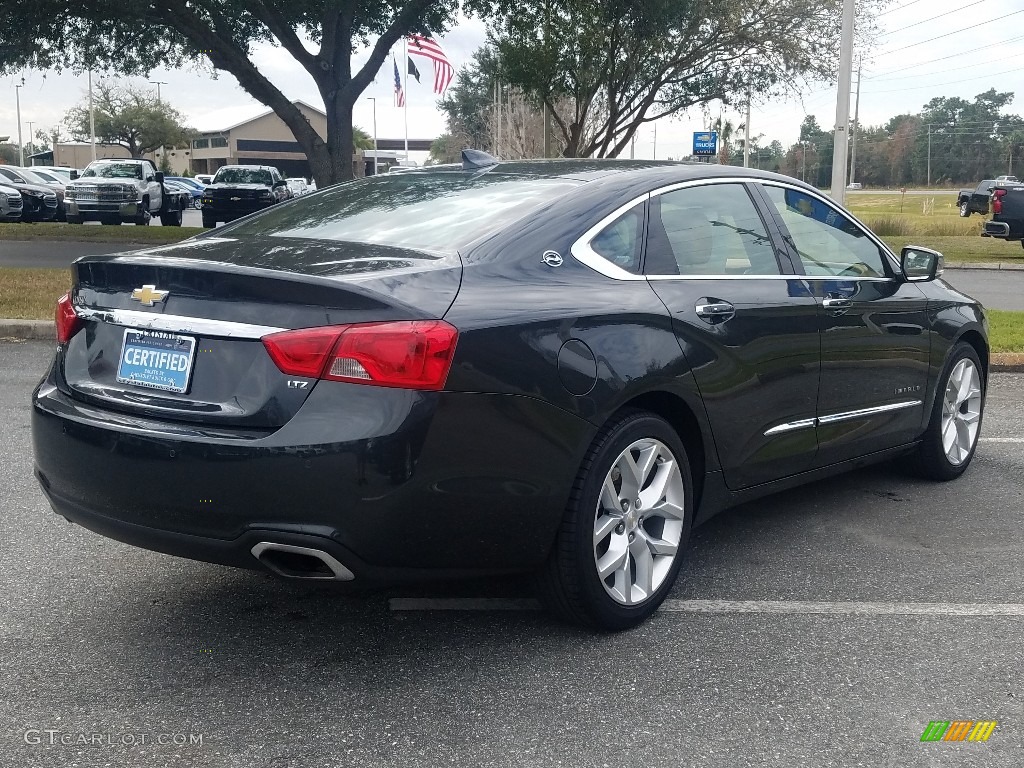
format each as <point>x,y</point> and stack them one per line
<point>717,309</point>
<point>836,303</point>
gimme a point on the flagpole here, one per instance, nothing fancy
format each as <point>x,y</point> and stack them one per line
<point>405,69</point>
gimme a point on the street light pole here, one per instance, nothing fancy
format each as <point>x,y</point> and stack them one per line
<point>92,122</point>
<point>841,148</point>
<point>17,100</point>
<point>159,102</point>
<point>30,134</point>
<point>374,100</point>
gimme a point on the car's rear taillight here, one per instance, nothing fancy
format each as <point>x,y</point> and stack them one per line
<point>413,354</point>
<point>997,200</point>
<point>66,319</point>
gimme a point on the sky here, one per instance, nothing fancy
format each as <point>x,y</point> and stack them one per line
<point>928,48</point>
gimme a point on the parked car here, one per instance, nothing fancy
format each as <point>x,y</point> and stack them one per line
<point>1007,222</point>
<point>204,178</point>
<point>238,190</point>
<point>975,200</point>
<point>64,172</point>
<point>30,176</point>
<point>39,201</point>
<point>118,190</point>
<point>551,368</point>
<point>195,186</point>
<point>194,194</point>
<point>10,203</point>
<point>855,185</point>
<point>298,187</point>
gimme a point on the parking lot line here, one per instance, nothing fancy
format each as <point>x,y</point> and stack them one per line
<point>1001,439</point>
<point>729,606</point>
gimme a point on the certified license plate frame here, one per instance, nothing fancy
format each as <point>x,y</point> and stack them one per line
<point>157,341</point>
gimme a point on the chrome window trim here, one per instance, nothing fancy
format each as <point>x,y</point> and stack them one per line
<point>835,418</point>
<point>177,323</point>
<point>893,261</point>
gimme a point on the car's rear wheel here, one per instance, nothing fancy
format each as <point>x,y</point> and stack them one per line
<point>197,203</point>
<point>627,522</point>
<point>965,209</point>
<point>949,442</point>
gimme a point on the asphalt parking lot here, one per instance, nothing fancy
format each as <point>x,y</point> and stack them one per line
<point>843,627</point>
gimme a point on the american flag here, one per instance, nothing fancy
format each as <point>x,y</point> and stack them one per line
<point>429,48</point>
<point>399,92</point>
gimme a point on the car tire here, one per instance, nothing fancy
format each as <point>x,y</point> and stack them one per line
<point>171,218</point>
<point>965,209</point>
<point>949,442</point>
<point>640,549</point>
<point>197,203</point>
<point>208,221</point>
<point>75,220</point>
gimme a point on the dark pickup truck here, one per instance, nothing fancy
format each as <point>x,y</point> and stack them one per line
<point>1007,222</point>
<point>975,200</point>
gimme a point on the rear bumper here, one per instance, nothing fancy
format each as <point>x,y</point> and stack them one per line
<point>1003,228</point>
<point>420,484</point>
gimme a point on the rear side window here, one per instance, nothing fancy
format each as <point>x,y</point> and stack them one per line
<point>827,242</point>
<point>621,241</point>
<point>708,230</point>
<point>436,211</point>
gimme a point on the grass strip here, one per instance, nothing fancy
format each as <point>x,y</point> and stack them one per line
<point>52,230</point>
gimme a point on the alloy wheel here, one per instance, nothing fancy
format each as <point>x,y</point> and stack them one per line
<point>639,521</point>
<point>961,412</point>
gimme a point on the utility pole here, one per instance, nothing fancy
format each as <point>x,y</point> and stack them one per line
<point>160,103</point>
<point>92,121</point>
<point>842,133</point>
<point>929,183</point>
<point>374,100</point>
<point>746,135</point>
<point>31,144</point>
<point>855,129</point>
<point>17,100</point>
<point>654,152</point>
<point>803,162</point>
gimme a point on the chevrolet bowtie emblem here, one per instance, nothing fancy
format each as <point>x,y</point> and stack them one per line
<point>149,295</point>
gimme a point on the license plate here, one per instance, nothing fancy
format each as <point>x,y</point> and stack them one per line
<point>156,360</point>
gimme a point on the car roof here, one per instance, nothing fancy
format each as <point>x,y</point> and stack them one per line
<point>610,170</point>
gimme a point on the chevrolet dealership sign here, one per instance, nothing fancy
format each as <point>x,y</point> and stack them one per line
<point>705,143</point>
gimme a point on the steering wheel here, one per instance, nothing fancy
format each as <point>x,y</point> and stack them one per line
<point>859,269</point>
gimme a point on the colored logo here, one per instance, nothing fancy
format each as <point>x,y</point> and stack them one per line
<point>149,295</point>
<point>958,730</point>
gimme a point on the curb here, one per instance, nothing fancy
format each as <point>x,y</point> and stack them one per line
<point>989,265</point>
<point>27,330</point>
<point>44,330</point>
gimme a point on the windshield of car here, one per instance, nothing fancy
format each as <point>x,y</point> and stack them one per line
<point>35,178</point>
<point>242,176</point>
<point>426,211</point>
<point>114,171</point>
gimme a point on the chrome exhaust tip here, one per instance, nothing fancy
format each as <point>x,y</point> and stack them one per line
<point>295,562</point>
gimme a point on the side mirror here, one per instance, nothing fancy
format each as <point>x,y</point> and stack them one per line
<point>920,264</point>
<point>280,183</point>
<point>73,174</point>
<point>159,177</point>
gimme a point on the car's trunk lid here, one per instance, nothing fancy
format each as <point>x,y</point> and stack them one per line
<point>222,296</point>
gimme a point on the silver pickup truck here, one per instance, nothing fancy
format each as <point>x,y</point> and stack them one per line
<point>117,190</point>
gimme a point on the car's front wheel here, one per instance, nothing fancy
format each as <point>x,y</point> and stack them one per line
<point>627,522</point>
<point>948,444</point>
<point>965,209</point>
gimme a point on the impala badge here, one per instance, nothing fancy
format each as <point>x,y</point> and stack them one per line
<point>149,295</point>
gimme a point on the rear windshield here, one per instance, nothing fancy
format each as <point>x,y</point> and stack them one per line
<point>242,176</point>
<point>425,211</point>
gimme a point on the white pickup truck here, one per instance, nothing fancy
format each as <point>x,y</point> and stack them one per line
<point>117,190</point>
